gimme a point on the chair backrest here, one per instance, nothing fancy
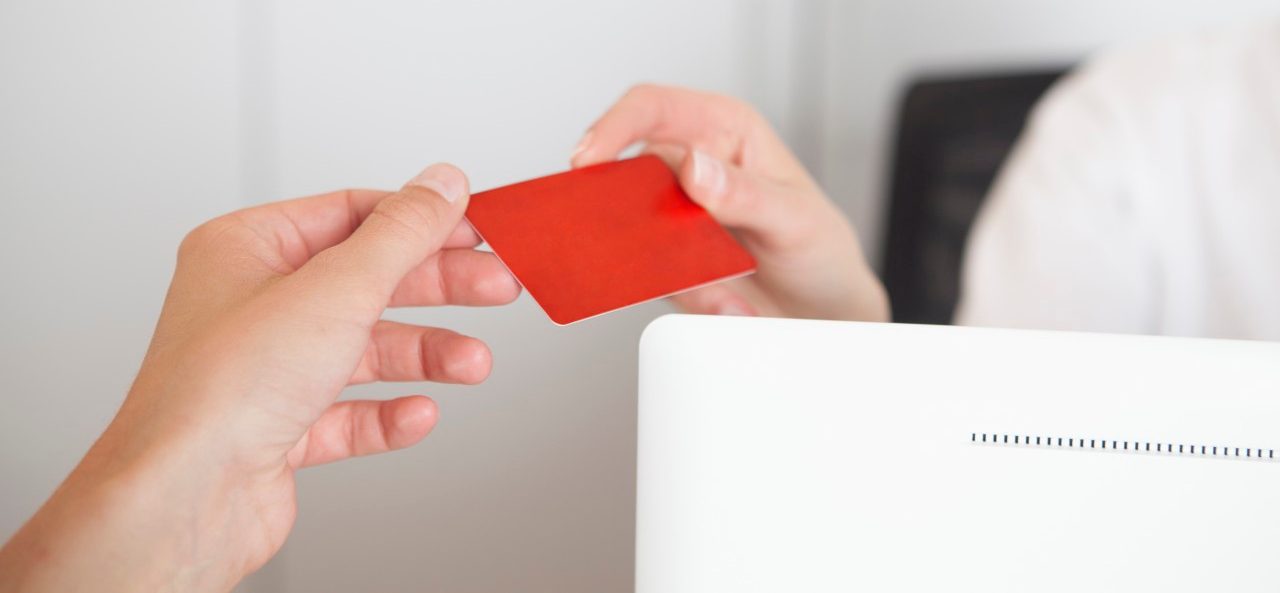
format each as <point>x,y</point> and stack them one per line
<point>953,134</point>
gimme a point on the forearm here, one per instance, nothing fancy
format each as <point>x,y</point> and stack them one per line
<point>123,523</point>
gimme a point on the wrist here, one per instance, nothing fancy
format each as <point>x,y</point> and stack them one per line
<point>868,300</point>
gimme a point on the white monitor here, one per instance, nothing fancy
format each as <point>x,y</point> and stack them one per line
<point>780,455</point>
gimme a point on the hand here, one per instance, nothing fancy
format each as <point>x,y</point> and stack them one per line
<point>730,161</point>
<point>271,313</point>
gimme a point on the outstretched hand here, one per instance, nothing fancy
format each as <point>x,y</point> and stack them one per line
<point>272,312</point>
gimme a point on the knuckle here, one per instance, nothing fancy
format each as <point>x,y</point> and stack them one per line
<point>642,90</point>
<point>740,115</point>
<point>205,236</point>
<point>745,113</point>
<point>650,96</point>
<point>412,211</point>
<point>728,103</point>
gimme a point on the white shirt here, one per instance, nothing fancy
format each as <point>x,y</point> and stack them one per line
<point>1144,197</point>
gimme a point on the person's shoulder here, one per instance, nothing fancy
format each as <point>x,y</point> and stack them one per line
<point>1160,88</point>
<point>1176,68</point>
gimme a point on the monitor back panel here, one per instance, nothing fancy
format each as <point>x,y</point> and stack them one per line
<point>779,455</point>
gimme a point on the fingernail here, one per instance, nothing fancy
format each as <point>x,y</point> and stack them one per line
<point>443,179</point>
<point>582,146</point>
<point>708,174</point>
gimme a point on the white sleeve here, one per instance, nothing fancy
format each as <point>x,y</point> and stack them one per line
<point>1058,243</point>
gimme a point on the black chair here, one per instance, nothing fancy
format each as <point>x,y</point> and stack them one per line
<point>953,134</point>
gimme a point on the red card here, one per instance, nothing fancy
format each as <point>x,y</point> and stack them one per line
<point>604,237</point>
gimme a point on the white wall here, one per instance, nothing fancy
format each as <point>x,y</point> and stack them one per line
<point>124,124</point>
<point>117,134</point>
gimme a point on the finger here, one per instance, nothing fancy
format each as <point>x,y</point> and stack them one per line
<point>768,211</point>
<point>464,236</point>
<point>303,227</point>
<point>671,154</point>
<point>720,125</point>
<point>324,220</point>
<point>658,114</point>
<point>364,427</point>
<point>404,352</point>
<point>716,299</point>
<point>360,274</point>
<point>457,277</point>
<point>734,197</point>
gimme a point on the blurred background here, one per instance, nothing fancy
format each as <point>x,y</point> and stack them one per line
<point>125,124</point>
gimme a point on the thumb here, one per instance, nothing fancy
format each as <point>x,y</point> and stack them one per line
<point>740,200</point>
<point>401,231</point>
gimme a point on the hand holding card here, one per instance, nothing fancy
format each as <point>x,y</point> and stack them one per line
<point>604,237</point>
<point>731,162</point>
